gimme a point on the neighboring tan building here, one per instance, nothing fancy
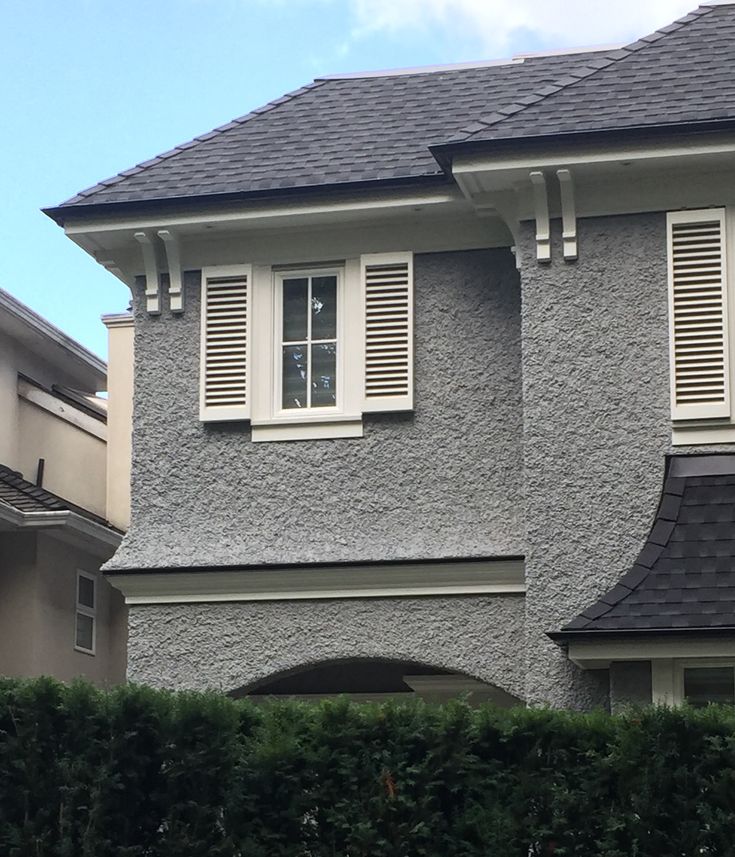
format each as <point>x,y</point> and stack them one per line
<point>58,614</point>
<point>415,352</point>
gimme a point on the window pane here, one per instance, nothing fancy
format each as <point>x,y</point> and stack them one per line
<point>85,594</point>
<point>323,375</point>
<point>709,684</point>
<point>295,300</point>
<point>294,376</point>
<point>324,308</point>
<point>85,631</point>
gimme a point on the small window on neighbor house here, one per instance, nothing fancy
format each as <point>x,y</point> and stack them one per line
<point>704,685</point>
<point>86,613</point>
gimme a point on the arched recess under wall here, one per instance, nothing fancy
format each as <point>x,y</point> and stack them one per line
<point>376,680</point>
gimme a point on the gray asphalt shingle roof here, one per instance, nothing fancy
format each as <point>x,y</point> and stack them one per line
<point>684,577</point>
<point>24,496</point>
<point>682,73</point>
<point>380,128</point>
<point>333,131</point>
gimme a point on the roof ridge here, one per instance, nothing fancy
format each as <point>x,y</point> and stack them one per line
<point>202,138</point>
<point>573,77</point>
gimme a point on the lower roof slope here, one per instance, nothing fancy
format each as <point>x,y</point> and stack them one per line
<point>684,578</point>
<point>25,497</point>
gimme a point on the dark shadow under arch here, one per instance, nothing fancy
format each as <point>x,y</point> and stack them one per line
<point>375,679</point>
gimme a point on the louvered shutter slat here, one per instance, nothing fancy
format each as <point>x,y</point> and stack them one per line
<point>700,365</point>
<point>388,305</point>
<point>225,363</point>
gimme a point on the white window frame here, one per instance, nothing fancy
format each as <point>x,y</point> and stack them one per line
<point>270,421</point>
<point>280,277</point>
<point>711,431</point>
<point>680,666</point>
<point>84,610</point>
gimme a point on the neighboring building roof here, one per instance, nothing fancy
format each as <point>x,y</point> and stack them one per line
<point>76,362</point>
<point>340,131</point>
<point>25,497</point>
<point>682,73</point>
<point>684,578</point>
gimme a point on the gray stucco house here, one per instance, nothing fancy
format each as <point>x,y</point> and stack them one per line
<point>434,378</point>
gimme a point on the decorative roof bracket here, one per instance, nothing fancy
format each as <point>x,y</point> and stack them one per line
<point>152,290</point>
<point>568,214</point>
<point>173,255</point>
<point>541,207</point>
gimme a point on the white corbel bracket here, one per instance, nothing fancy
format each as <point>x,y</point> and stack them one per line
<point>541,209</point>
<point>568,214</point>
<point>173,255</point>
<point>152,291</point>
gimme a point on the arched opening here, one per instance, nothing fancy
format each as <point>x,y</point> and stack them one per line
<point>377,680</point>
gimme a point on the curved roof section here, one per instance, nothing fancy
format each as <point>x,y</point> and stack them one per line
<point>684,577</point>
<point>335,131</point>
<point>682,73</point>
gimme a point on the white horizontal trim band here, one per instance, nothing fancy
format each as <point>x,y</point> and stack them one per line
<point>492,577</point>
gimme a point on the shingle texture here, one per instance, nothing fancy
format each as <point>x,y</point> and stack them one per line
<point>680,74</point>
<point>337,131</point>
<point>334,131</point>
<point>684,577</point>
<point>26,497</point>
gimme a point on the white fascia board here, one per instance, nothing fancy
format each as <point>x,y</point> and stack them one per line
<point>586,154</point>
<point>81,530</point>
<point>62,409</point>
<point>492,577</point>
<point>260,212</point>
<point>598,654</point>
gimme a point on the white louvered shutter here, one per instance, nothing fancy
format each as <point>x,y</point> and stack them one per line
<point>225,343</point>
<point>698,315</point>
<point>388,300</point>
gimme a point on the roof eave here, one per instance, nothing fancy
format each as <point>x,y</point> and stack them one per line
<point>61,213</point>
<point>444,153</point>
<point>562,637</point>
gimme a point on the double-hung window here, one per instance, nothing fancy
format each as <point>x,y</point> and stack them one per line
<point>701,322</point>
<point>309,350</point>
<point>302,351</point>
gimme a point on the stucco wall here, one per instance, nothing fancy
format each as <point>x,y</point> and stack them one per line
<point>228,646</point>
<point>444,481</point>
<point>596,428</point>
<point>75,461</point>
<point>37,613</point>
<point>630,684</point>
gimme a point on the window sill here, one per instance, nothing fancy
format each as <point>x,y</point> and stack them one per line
<point>695,435</point>
<point>312,427</point>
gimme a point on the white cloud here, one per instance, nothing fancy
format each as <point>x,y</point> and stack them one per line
<point>498,26</point>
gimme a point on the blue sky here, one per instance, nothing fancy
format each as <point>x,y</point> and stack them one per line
<point>91,87</point>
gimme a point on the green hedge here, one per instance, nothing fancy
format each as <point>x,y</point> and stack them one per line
<point>136,772</point>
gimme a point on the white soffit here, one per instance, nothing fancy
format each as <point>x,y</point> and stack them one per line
<point>486,577</point>
<point>599,654</point>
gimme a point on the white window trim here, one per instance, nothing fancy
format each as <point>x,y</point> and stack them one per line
<point>317,414</point>
<point>269,420</point>
<point>667,676</point>
<point>712,431</point>
<point>91,612</point>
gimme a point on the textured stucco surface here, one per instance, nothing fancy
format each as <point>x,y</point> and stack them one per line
<point>229,646</point>
<point>596,428</point>
<point>444,481</point>
<point>630,684</point>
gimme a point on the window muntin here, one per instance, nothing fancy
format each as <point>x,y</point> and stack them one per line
<point>309,350</point>
<point>85,625</point>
